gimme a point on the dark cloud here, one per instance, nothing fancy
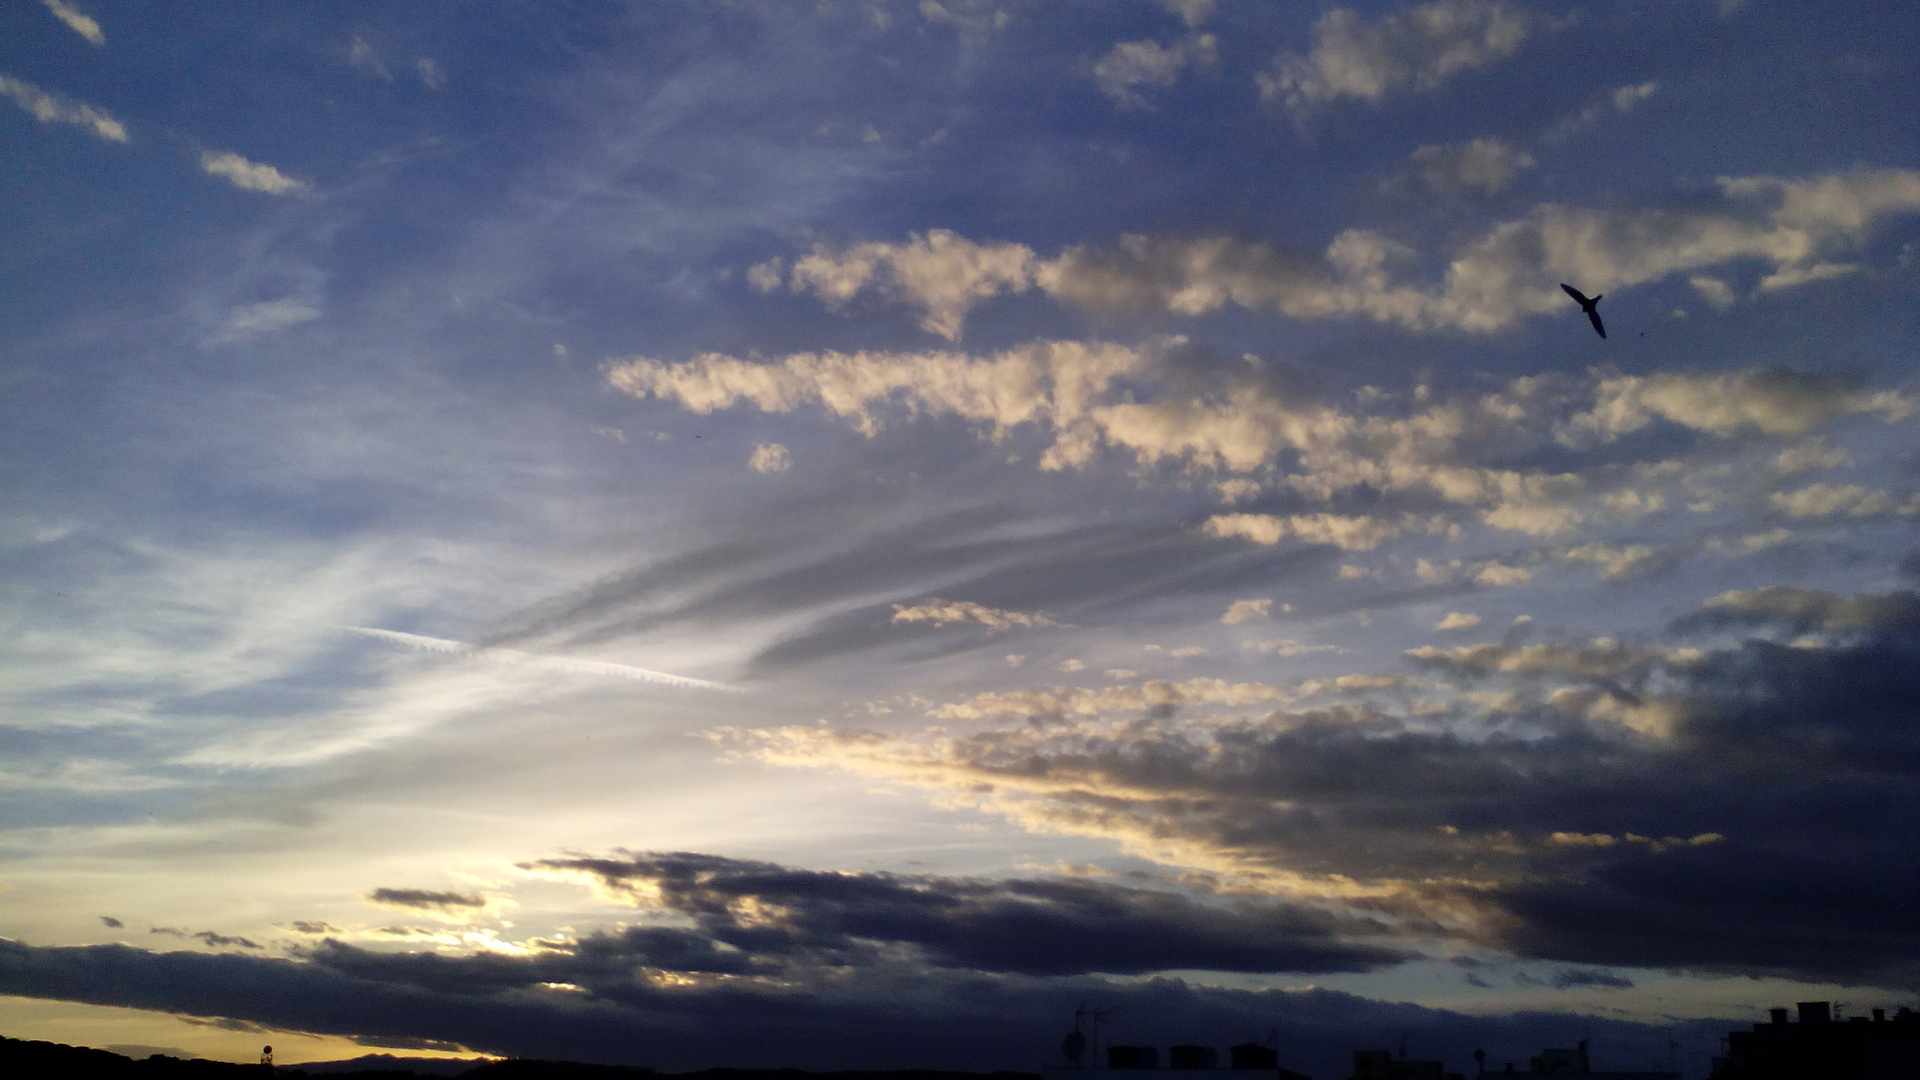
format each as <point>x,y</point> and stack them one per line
<point>1030,927</point>
<point>426,899</point>
<point>111,922</point>
<point>303,926</point>
<point>223,940</point>
<point>1757,819</point>
<point>1572,977</point>
<point>883,1018</point>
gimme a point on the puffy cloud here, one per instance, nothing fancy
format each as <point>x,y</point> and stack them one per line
<point>1850,500</point>
<point>1134,64</point>
<point>1347,533</point>
<point>1052,382</point>
<point>250,175</point>
<point>1620,563</point>
<point>1410,50</point>
<point>1458,620</point>
<point>1485,166</point>
<point>1814,609</point>
<point>948,612</point>
<point>1135,401</point>
<point>1247,610</point>
<point>770,458</point>
<point>1508,273</point>
<point>79,22</point>
<point>941,272</point>
<point>1712,290</point>
<point>52,109</point>
<point>1489,572</point>
<point>1772,402</point>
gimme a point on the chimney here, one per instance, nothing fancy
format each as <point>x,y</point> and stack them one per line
<point>1779,1017</point>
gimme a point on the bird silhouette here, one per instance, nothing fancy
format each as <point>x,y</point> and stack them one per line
<point>1586,305</point>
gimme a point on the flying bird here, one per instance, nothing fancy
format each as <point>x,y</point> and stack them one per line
<point>1586,305</point>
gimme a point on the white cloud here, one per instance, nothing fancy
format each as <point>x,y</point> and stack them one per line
<point>1850,500</point>
<point>534,661</point>
<point>84,25</point>
<point>1246,610</point>
<point>1626,97</point>
<point>1712,290</point>
<point>1620,563</point>
<point>51,109</point>
<point>1458,620</point>
<point>430,74</point>
<point>250,320</point>
<point>1772,402</point>
<point>948,612</point>
<point>1134,64</point>
<point>1355,533</point>
<point>250,175</point>
<point>770,458</point>
<point>1414,49</point>
<point>1191,12</point>
<point>1809,456</point>
<point>1510,272</point>
<point>942,272</point>
<point>1484,165</point>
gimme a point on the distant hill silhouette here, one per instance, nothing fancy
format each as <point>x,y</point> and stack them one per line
<point>19,1057</point>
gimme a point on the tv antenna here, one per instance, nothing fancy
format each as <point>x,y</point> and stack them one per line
<point>1077,1041</point>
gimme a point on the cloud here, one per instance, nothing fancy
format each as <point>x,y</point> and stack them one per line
<point>946,613</point>
<point>1769,401</point>
<point>1712,290</point>
<point>52,109</point>
<point>266,317</point>
<point>249,175</point>
<point>558,664</point>
<point>628,1011</point>
<point>84,25</point>
<point>770,458</point>
<point>1704,767</point>
<point>1411,50</point>
<point>942,272</point>
<point>1483,166</point>
<point>1031,927</point>
<point>111,923</point>
<point>1247,610</point>
<point>446,903</point>
<point>1620,563</point>
<point>1092,397</point>
<point>1134,64</point>
<point>1361,533</point>
<point>1511,271</point>
<point>1458,620</point>
<point>1849,500</point>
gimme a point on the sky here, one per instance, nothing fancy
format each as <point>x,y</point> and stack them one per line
<point>834,533</point>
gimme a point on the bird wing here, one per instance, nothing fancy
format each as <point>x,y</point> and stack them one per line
<point>1575,293</point>
<point>1593,316</point>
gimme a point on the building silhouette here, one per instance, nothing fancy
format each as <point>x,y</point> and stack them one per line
<point>1820,1045</point>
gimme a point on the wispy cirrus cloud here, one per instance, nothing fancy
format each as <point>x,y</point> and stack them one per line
<point>50,108</point>
<point>78,21</point>
<point>534,661</point>
<point>250,175</point>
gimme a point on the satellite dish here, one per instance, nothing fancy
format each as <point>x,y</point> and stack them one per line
<point>1073,1046</point>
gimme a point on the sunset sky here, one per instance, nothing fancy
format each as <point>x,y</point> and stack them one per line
<point>830,533</point>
